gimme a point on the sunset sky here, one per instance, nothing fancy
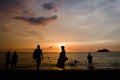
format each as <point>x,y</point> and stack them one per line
<point>79,25</point>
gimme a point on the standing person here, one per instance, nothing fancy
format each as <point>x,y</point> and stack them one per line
<point>38,55</point>
<point>62,58</point>
<point>90,62</point>
<point>14,60</point>
<point>7,59</point>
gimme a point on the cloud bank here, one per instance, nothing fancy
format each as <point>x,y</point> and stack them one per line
<point>17,9</point>
<point>39,20</point>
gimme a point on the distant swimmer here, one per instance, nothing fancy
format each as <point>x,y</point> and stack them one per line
<point>75,61</point>
<point>48,57</point>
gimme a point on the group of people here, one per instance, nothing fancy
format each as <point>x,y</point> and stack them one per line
<point>38,56</point>
<point>11,60</point>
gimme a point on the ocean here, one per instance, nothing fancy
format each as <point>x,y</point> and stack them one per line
<point>101,61</point>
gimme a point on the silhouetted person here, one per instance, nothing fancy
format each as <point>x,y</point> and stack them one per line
<point>7,59</point>
<point>38,55</point>
<point>62,58</point>
<point>90,63</point>
<point>14,60</point>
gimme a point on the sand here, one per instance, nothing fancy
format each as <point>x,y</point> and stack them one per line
<point>60,75</point>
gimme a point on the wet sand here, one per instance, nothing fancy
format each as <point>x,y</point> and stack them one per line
<point>60,75</point>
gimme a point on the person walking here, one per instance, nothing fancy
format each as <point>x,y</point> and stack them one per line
<point>14,60</point>
<point>62,58</point>
<point>7,59</point>
<point>38,55</point>
<point>90,62</point>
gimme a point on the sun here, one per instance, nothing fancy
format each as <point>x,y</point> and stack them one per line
<point>60,44</point>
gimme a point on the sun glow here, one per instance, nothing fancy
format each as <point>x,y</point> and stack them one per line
<point>60,44</point>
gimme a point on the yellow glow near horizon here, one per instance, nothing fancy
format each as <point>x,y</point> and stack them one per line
<point>60,44</point>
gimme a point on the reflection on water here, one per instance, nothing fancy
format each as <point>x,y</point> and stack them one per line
<point>100,60</point>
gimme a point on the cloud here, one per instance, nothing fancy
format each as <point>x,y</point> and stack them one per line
<point>11,7</point>
<point>49,6</point>
<point>18,9</point>
<point>39,20</point>
<point>52,6</point>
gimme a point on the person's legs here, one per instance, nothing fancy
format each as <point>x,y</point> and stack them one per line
<point>89,63</point>
<point>38,64</point>
<point>64,66</point>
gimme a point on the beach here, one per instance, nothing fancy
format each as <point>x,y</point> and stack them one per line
<point>60,75</point>
<point>107,67</point>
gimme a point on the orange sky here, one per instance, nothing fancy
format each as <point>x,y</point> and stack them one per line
<point>79,25</point>
<point>69,47</point>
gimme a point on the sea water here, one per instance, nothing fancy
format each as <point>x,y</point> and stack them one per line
<point>101,60</point>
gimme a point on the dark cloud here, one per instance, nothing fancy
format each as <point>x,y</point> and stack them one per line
<point>53,6</point>
<point>49,6</point>
<point>39,20</point>
<point>11,7</point>
<point>18,10</point>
